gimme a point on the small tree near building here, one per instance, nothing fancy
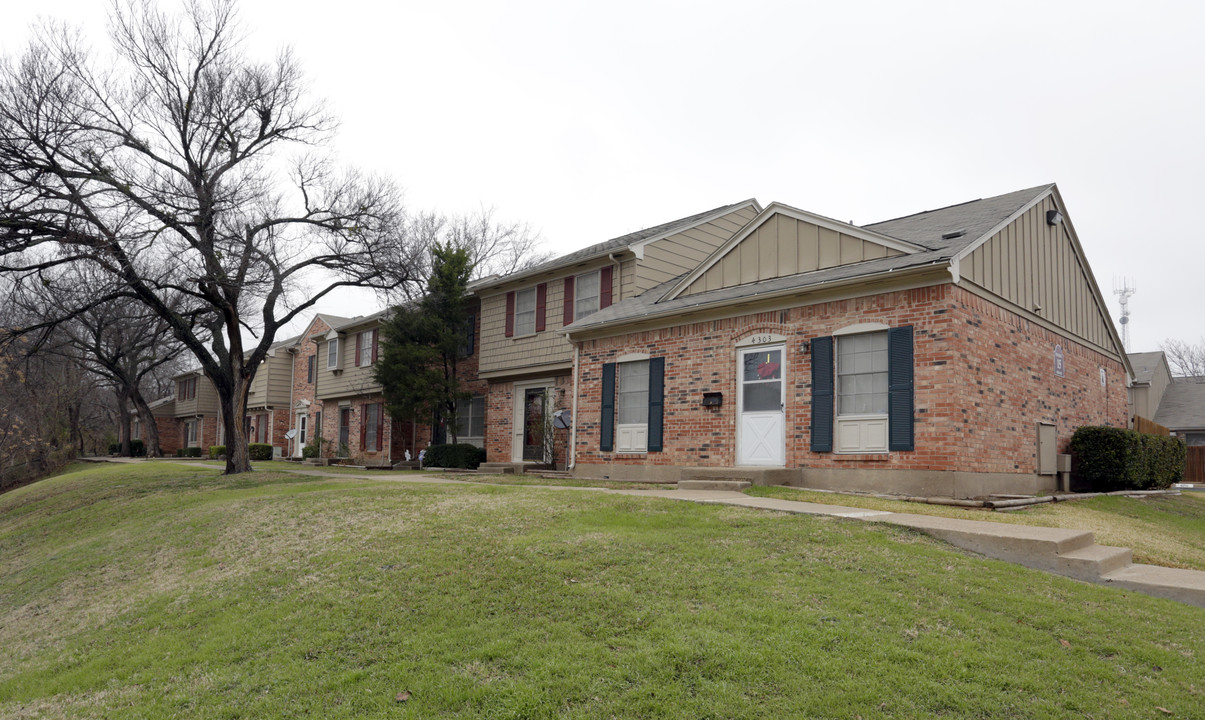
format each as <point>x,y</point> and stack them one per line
<point>423,343</point>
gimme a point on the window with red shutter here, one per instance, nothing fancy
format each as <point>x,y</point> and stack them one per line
<point>604,287</point>
<point>510,314</point>
<point>358,347</point>
<point>541,305</point>
<point>567,316</point>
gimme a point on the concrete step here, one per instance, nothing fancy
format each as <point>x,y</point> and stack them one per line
<point>716,484</point>
<point>1186,586</point>
<point>752,475</point>
<point>1034,547</point>
<point>1091,563</point>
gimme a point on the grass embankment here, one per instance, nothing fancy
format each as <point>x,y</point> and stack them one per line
<point>1166,530</point>
<point>162,590</point>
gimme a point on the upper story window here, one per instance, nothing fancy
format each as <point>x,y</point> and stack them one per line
<point>366,346</point>
<point>187,389</point>
<point>586,295</point>
<point>525,312</point>
<point>311,363</point>
<point>332,354</point>
<point>469,346</point>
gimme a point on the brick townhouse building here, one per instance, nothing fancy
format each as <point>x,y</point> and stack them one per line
<point>929,354</point>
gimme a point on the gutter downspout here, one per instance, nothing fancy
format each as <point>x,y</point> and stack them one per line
<point>292,410</point>
<point>572,460</point>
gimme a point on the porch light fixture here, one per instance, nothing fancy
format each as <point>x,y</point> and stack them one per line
<point>1054,217</point>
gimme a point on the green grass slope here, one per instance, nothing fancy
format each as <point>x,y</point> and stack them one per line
<point>156,592</point>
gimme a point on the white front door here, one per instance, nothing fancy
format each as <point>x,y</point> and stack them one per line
<point>302,436</point>
<point>761,427</point>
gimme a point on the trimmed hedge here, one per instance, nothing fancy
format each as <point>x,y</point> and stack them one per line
<point>216,451</point>
<point>189,452</point>
<point>460,455</point>
<point>259,451</point>
<point>137,448</point>
<point>1110,458</point>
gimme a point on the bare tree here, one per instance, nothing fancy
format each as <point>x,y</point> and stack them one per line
<point>184,169</point>
<point>1185,360</point>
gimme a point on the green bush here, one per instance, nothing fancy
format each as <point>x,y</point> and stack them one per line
<point>260,451</point>
<point>312,450</point>
<point>1114,459</point>
<point>215,451</point>
<point>189,452</point>
<point>137,448</point>
<point>460,455</point>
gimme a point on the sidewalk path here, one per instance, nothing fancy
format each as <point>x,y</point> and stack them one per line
<point>1073,553</point>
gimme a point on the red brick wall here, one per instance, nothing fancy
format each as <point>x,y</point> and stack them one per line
<point>169,435</point>
<point>500,414</point>
<point>983,378</point>
<point>330,431</point>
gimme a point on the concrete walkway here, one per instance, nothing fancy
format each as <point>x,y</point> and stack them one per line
<point>1072,553</point>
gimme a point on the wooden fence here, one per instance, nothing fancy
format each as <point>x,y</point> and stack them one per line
<point>1149,427</point>
<point>1194,470</point>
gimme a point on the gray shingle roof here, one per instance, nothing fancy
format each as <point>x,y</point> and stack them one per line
<point>925,229</point>
<point>614,244</point>
<point>1145,365</point>
<point>1183,404</point>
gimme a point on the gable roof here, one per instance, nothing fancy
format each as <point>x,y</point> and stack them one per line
<point>979,218</point>
<point>775,209</point>
<point>1145,365</point>
<point>1183,404</point>
<point>623,242</point>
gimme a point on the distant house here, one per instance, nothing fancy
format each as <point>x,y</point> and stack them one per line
<point>1177,403</point>
<point>951,352</point>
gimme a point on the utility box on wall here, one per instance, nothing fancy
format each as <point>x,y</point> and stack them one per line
<point>1048,448</point>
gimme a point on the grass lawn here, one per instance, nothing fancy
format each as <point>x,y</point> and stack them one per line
<point>1166,530</point>
<point>159,591</point>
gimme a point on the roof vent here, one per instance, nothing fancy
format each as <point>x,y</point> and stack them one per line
<point>953,234</point>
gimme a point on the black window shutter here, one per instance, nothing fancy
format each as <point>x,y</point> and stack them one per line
<point>900,434</point>
<point>822,394</point>
<point>656,402</point>
<point>607,432</point>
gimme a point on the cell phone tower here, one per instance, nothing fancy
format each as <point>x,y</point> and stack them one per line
<point>1124,289</point>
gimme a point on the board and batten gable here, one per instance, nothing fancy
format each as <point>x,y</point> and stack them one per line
<point>1036,267</point>
<point>349,380</point>
<point>669,257</point>
<point>782,245</point>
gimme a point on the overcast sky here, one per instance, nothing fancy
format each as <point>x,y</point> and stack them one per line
<point>591,120</point>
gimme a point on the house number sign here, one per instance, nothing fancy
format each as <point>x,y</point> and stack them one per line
<point>761,339</point>
<point>1060,366</point>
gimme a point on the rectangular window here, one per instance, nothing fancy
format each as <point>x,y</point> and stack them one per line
<point>187,389</point>
<point>309,375</point>
<point>192,432</point>
<point>632,406</point>
<point>365,343</point>
<point>470,420</point>
<point>332,354</point>
<point>302,422</point>
<point>585,300</point>
<point>862,393</point>
<point>862,374</point>
<point>525,312</point>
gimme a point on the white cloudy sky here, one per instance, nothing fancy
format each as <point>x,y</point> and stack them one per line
<point>590,120</point>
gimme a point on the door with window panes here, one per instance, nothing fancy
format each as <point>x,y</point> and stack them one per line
<point>762,424</point>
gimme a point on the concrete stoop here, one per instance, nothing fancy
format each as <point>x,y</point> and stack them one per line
<point>716,484</point>
<point>1071,553</point>
<point>749,475</point>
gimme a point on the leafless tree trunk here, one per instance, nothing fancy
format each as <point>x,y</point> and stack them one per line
<point>162,170</point>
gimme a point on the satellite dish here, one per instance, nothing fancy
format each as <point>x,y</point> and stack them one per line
<point>562,419</point>
<point>290,435</point>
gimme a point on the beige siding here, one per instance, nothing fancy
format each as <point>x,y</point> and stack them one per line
<point>349,380</point>
<point>273,382</point>
<point>782,246</point>
<point>499,352</point>
<point>1034,266</point>
<point>205,402</point>
<point>670,257</point>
